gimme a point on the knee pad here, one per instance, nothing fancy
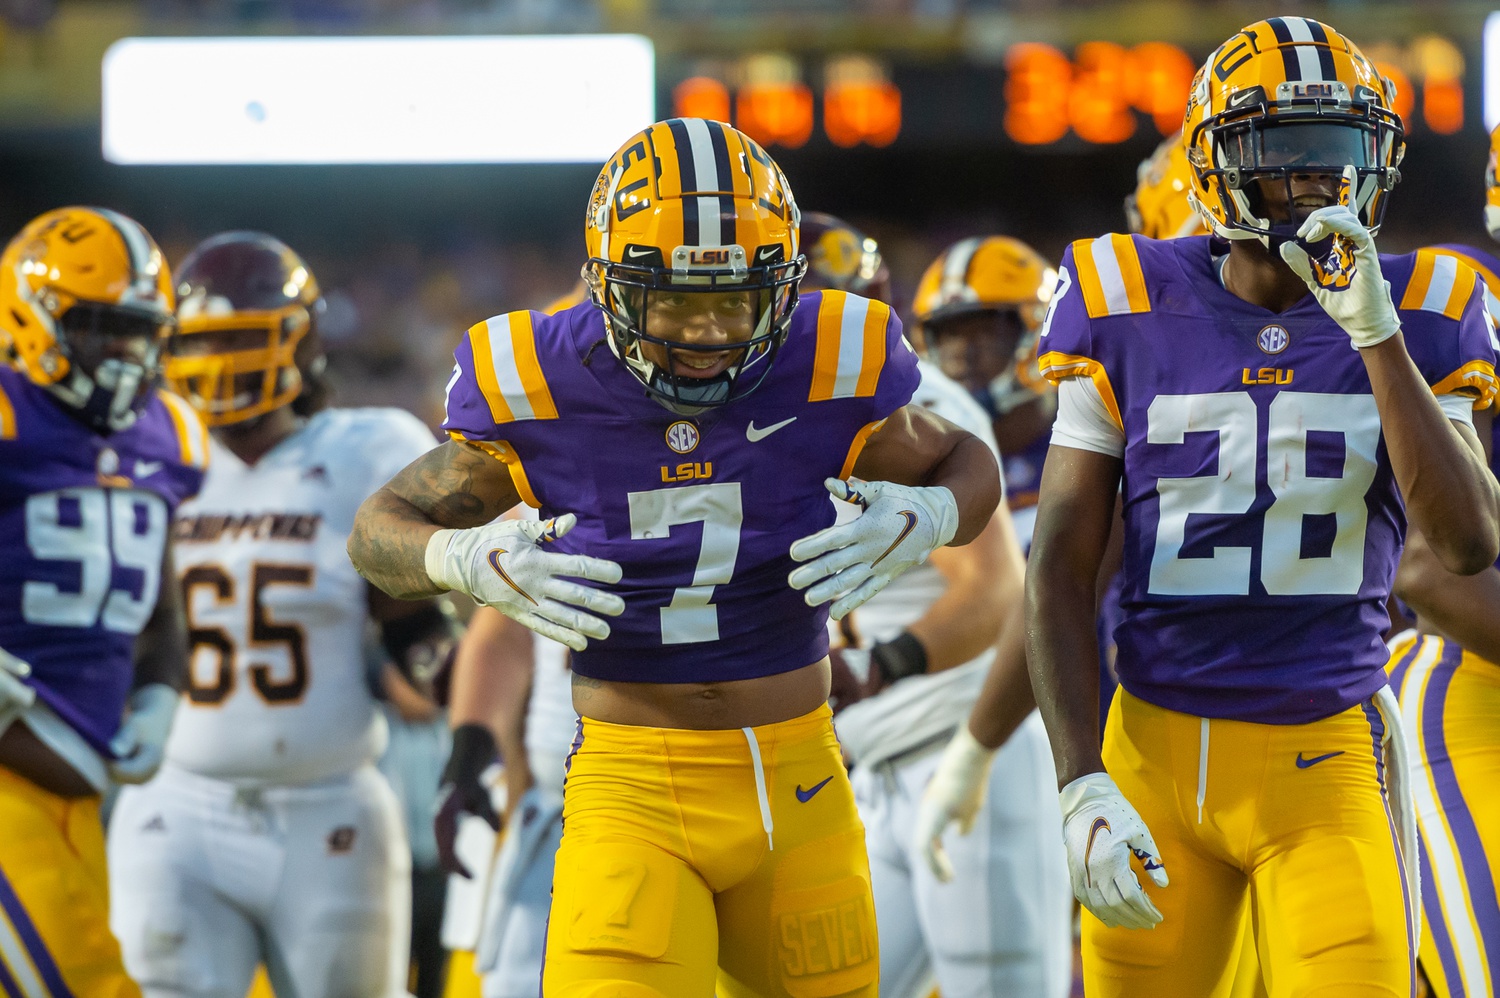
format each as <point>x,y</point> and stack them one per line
<point>609,989</point>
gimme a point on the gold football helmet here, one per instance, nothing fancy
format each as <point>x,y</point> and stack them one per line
<point>1287,96</point>
<point>1160,208</point>
<point>246,304</point>
<point>85,308</point>
<point>994,278</point>
<point>692,206</point>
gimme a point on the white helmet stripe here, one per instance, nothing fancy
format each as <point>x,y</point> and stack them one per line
<point>1310,67</point>
<point>137,244</point>
<point>954,285</point>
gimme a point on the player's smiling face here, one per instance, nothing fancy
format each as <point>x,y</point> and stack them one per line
<point>708,324</point>
<point>1309,192</point>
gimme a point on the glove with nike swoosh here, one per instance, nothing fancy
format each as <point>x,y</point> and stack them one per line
<point>850,562</point>
<point>1346,280</point>
<point>1103,832</point>
<point>504,565</point>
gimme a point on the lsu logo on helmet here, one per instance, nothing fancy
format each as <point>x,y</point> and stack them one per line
<point>691,206</point>
<point>70,278</point>
<point>1288,96</point>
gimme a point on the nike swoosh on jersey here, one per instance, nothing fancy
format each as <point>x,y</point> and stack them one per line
<point>911,524</point>
<point>1304,763</point>
<point>1100,824</point>
<point>495,564</point>
<point>806,795</point>
<point>754,433</point>
<point>145,469</point>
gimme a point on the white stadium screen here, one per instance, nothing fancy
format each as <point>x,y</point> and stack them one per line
<point>497,99</point>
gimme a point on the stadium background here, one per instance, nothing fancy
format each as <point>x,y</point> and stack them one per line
<point>1026,118</point>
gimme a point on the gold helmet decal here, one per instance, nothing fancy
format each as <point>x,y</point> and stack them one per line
<point>692,206</point>
<point>1492,187</point>
<point>70,278</point>
<point>1288,96</point>
<point>1160,207</point>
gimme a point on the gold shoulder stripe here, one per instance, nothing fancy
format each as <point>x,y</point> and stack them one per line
<point>1109,272</point>
<point>1488,276</point>
<point>192,435</point>
<point>507,369</point>
<point>1440,282</point>
<point>1057,367</point>
<point>7,416</point>
<point>1476,377</point>
<point>850,350</point>
<point>505,454</point>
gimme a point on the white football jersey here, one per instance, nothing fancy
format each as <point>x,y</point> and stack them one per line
<point>277,615</point>
<point>918,708</point>
<point>551,722</point>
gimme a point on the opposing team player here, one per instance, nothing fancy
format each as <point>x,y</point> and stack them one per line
<point>269,836</point>
<point>1267,440</point>
<point>998,921</point>
<point>682,445</point>
<point>1444,674</point>
<point>93,460</point>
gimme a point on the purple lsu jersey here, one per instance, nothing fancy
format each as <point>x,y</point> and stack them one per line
<point>1262,518</point>
<point>698,511</point>
<point>1487,266</point>
<point>83,525</point>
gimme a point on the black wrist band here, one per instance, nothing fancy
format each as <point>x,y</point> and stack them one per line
<point>899,657</point>
<point>473,750</point>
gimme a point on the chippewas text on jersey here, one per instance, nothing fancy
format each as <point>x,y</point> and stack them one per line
<point>208,528</point>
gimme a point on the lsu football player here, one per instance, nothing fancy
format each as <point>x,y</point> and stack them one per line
<point>1444,674</point>
<point>1269,411</point>
<point>269,836</point>
<point>681,433</point>
<point>997,919</point>
<point>93,460</point>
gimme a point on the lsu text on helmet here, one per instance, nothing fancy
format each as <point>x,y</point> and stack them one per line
<point>1160,208</point>
<point>246,304</point>
<point>1492,187</point>
<point>977,313</point>
<point>693,211</point>
<point>1288,97</point>
<point>85,308</point>
<point>842,258</point>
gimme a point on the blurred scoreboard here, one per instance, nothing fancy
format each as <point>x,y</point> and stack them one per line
<point>1036,95</point>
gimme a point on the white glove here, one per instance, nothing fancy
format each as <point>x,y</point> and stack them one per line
<point>1347,282</point>
<point>141,743</point>
<point>503,565</point>
<point>1102,832</point>
<point>15,695</point>
<point>900,526</point>
<point>953,795</point>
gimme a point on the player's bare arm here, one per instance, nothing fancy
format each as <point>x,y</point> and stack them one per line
<point>454,485</point>
<point>919,447</point>
<point>1074,518</point>
<point>985,581</point>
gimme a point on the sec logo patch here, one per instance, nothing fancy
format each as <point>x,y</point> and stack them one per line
<point>1273,339</point>
<point>682,436</point>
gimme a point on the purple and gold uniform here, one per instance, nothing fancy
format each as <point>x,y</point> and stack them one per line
<point>1262,531</point>
<point>84,519</point>
<point>697,835</point>
<point>1450,703</point>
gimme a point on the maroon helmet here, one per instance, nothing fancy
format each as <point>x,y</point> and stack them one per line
<point>842,258</point>
<point>247,309</point>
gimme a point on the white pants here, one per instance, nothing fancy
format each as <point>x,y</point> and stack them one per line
<point>513,935</point>
<point>1002,926</point>
<point>207,881</point>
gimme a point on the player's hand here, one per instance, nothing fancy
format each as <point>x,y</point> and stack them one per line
<point>504,565</point>
<point>1102,832</point>
<point>1345,277</point>
<point>15,694</point>
<point>850,562</point>
<point>954,795</point>
<point>462,791</point>
<point>141,743</point>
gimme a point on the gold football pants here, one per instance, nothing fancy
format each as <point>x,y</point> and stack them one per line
<point>1450,701</point>
<point>702,863</point>
<point>54,898</point>
<point>1287,825</point>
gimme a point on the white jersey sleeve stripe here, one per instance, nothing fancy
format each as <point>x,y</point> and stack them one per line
<point>851,347</point>
<point>507,372</point>
<point>1111,281</point>
<point>1440,287</point>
